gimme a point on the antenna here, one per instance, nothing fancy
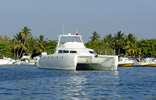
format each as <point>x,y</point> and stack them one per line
<point>63,27</point>
<point>67,30</point>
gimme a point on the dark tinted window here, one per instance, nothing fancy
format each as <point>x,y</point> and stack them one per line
<point>65,51</point>
<point>60,51</point>
<point>92,52</point>
<point>73,51</point>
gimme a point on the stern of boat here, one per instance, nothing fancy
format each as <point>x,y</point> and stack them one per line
<point>100,62</point>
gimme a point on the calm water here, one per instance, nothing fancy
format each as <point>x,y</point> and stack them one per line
<point>31,83</point>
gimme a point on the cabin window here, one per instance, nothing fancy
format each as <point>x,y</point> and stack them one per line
<point>73,51</point>
<point>60,51</point>
<point>65,51</point>
<point>92,52</point>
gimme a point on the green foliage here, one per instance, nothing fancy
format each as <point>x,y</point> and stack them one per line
<point>123,44</point>
<point>131,46</point>
<point>95,37</point>
<point>25,33</point>
<point>5,50</point>
<point>5,46</point>
<point>95,43</point>
<point>153,47</point>
<point>119,41</point>
<point>5,39</point>
<point>25,36</point>
<point>145,46</point>
<point>51,45</point>
<point>41,44</point>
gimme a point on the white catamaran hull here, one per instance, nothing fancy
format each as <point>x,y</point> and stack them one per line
<point>74,62</point>
<point>102,62</point>
<point>66,62</point>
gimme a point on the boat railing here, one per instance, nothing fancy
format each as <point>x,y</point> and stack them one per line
<point>105,51</point>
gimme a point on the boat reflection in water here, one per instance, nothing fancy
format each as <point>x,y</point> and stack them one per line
<point>71,54</point>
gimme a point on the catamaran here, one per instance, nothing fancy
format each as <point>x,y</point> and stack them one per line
<point>71,54</point>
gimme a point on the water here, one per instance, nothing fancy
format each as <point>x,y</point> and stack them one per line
<point>31,83</point>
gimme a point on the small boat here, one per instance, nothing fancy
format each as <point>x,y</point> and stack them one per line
<point>147,62</point>
<point>5,60</point>
<point>25,60</point>
<point>125,62</point>
<point>71,54</point>
<point>17,62</point>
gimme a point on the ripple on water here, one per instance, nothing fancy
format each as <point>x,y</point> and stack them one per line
<point>29,82</point>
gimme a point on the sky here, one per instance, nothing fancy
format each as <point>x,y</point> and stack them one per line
<point>47,17</point>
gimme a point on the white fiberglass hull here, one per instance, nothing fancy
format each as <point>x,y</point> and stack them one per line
<point>149,64</point>
<point>74,62</point>
<point>4,61</point>
<point>140,64</point>
<point>65,62</point>
<point>27,63</point>
<point>101,62</point>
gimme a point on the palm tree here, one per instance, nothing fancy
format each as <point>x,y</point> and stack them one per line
<point>119,39</point>
<point>95,37</point>
<point>25,35</point>
<point>133,48</point>
<point>32,44</point>
<point>130,41</point>
<point>41,41</point>
<point>18,43</point>
<point>108,40</point>
<point>145,45</point>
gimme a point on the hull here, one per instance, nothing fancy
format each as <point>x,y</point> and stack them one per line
<point>61,62</point>
<point>28,63</point>
<point>138,64</point>
<point>152,65</point>
<point>125,65</point>
<point>125,62</point>
<point>4,61</point>
<point>74,62</point>
<point>145,64</point>
<point>102,62</point>
<point>17,62</point>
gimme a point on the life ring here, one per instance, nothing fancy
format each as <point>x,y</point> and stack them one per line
<point>150,60</point>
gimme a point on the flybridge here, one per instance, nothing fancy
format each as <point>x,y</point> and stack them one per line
<point>70,38</point>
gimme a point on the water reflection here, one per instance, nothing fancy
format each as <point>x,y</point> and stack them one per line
<point>89,85</point>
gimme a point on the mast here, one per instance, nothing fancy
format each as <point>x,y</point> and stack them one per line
<point>63,27</point>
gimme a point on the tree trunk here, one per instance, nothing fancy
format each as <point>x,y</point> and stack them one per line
<point>17,54</point>
<point>118,51</point>
<point>22,49</point>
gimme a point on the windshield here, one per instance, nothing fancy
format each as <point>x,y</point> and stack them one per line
<point>69,39</point>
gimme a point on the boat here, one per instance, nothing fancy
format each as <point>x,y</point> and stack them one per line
<point>147,62</point>
<point>17,62</point>
<point>5,60</point>
<point>71,54</point>
<point>125,62</point>
<point>25,60</point>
